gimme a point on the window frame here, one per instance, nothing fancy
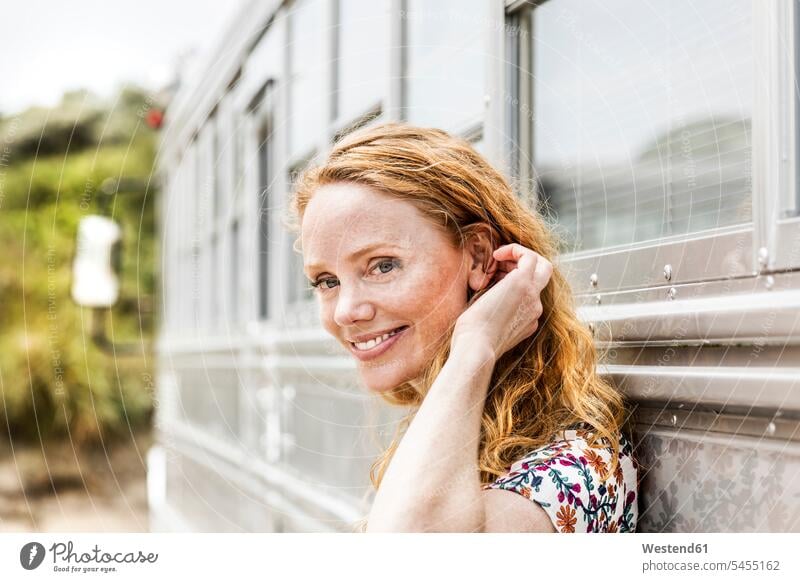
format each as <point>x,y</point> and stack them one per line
<point>778,243</point>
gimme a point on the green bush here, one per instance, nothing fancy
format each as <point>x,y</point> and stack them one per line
<point>54,382</point>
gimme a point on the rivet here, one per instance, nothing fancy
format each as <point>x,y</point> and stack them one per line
<point>763,256</point>
<point>771,428</point>
<point>674,420</point>
<point>598,299</point>
<point>593,280</point>
<point>668,272</point>
<point>770,282</point>
<point>672,293</point>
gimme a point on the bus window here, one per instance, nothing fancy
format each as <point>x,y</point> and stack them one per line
<point>362,57</point>
<point>307,75</point>
<point>641,124</point>
<point>445,76</point>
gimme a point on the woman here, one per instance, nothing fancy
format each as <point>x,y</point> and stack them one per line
<point>440,283</point>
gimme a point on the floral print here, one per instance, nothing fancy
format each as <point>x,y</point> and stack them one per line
<point>572,482</point>
<point>566,519</point>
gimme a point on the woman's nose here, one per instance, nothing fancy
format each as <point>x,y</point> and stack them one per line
<point>352,307</point>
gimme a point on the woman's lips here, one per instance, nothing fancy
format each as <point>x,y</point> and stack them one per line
<point>379,349</point>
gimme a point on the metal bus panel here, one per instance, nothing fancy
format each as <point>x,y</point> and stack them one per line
<point>261,424</point>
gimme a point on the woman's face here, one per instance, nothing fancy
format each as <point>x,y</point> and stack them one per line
<point>390,282</point>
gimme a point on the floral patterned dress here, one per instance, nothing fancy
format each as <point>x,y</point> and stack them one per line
<point>572,483</point>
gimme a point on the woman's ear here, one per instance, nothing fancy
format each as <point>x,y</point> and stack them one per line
<point>479,244</point>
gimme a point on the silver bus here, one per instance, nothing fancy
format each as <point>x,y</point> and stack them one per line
<point>660,139</point>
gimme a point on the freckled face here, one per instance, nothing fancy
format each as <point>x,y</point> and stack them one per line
<point>389,282</point>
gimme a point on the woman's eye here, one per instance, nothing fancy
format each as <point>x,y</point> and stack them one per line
<point>326,283</point>
<point>386,265</point>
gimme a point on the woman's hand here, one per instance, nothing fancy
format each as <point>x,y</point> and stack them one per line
<point>508,312</point>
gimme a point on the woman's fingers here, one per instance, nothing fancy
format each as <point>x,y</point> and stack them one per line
<point>510,252</point>
<point>531,268</point>
<point>515,256</point>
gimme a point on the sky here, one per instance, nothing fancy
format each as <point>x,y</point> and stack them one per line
<point>51,46</point>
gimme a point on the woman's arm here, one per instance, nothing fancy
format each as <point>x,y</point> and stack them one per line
<point>433,482</point>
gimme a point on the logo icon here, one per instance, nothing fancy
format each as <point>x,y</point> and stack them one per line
<point>31,555</point>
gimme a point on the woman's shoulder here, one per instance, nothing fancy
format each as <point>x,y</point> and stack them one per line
<point>576,483</point>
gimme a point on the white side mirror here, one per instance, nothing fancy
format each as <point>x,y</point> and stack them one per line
<point>95,280</point>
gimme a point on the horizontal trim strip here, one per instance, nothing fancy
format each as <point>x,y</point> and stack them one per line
<point>765,434</point>
<point>771,388</point>
<point>750,317</point>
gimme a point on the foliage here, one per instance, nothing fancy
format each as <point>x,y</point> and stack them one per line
<point>54,382</point>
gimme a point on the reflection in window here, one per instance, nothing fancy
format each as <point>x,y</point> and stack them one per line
<point>239,136</point>
<point>193,301</point>
<point>234,275</point>
<point>213,284</point>
<point>307,74</point>
<point>298,288</point>
<point>641,124</point>
<point>264,183</point>
<point>445,72</point>
<point>215,127</point>
<point>362,56</point>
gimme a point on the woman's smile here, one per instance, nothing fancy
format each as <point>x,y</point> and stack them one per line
<point>377,345</point>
